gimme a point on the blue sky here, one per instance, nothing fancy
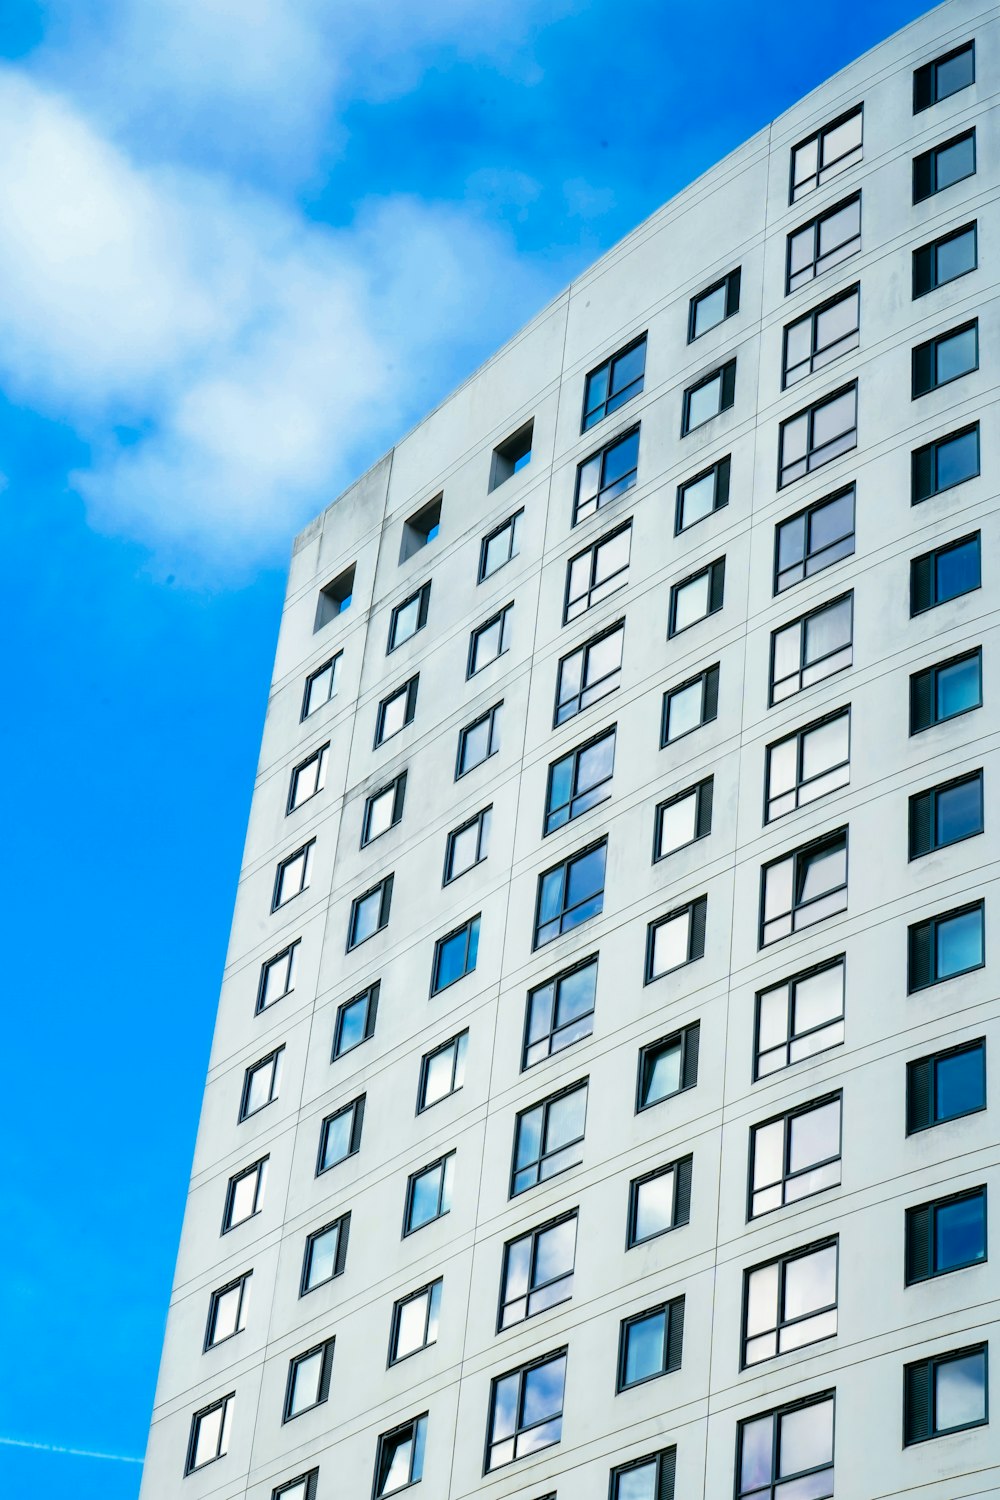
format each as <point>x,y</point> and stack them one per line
<point>243,245</point>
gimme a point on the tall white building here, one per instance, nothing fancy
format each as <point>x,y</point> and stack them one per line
<point>598,1105</point>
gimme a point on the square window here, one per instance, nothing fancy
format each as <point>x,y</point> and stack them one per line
<point>947,689</point>
<point>708,397</point>
<point>442,1071</point>
<point>945,1086</point>
<point>396,711</point>
<point>676,939</point>
<point>369,913</point>
<point>944,76</point>
<point>321,686</point>
<point>260,1084</point>
<point>799,1017</point>
<point>292,876</point>
<point>399,1458</point>
<point>210,1432</point>
<point>823,243</point>
<point>659,1201</point>
<point>428,1194</point>
<point>467,845</point>
<point>668,1066</point>
<point>787,1452</point>
<point>795,1155</point>
<point>817,435</point>
<point>613,383</point>
<point>826,154</point>
<point>944,1394</point>
<point>703,495</point>
<point>647,1478</point>
<point>683,818</point>
<point>335,598</point>
<point>570,893</point>
<point>808,764</point>
<point>355,1021</point>
<point>409,617</point>
<point>946,573</point>
<point>560,1012</point>
<point>421,528</point>
<point>500,546</point>
<point>478,741</point>
<point>325,1254</point>
<point>945,358</point>
<point>690,705</point>
<point>277,977</point>
<point>308,778</point>
<point>941,167</point>
<point>946,1235</point>
<point>455,955</point>
<point>590,673</point>
<point>946,462</point>
<point>548,1138</point>
<point>245,1195</point>
<point>804,887</point>
<point>308,1380</point>
<point>526,1410</point>
<point>946,814</point>
<point>714,305</point>
<point>227,1311</point>
<point>606,474</point>
<point>790,1302</point>
<point>946,946</point>
<point>821,336</point>
<point>696,597</point>
<point>580,780</point>
<point>814,539</point>
<point>945,259</point>
<point>512,455</point>
<point>650,1344</point>
<point>415,1322</point>
<point>383,809</point>
<point>537,1271</point>
<point>812,648</point>
<point>490,640</point>
<point>340,1135</point>
<point>596,573</point>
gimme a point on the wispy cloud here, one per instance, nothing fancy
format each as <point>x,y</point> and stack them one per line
<point>118,1458</point>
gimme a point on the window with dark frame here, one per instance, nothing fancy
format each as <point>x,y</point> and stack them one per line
<point>683,818</point>
<point>785,1449</point>
<point>709,397</point>
<point>303,1487</point>
<point>946,573</point>
<point>948,461</point>
<point>369,913</point>
<point>428,1193</point>
<point>466,846</point>
<point>559,1012</point>
<point>292,875</point>
<point>227,1311</point>
<point>383,809</point>
<point>946,1393</point>
<point>946,946</point>
<point>946,690</point>
<point>478,741</point>
<point>648,1478</point>
<point>308,1380</point>
<point>334,598</point>
<point>321,686</point>
<point>499,546</point>
<point>812,648</point>
<point>696,597</point>
<point>676,939</point>
<point>396,711</point>
<point>442,1071</point>
<point>580,780</point>
<point>703,495</point>
<point>822,156</point>
<point>789,1302</point>
<point>606,474</point>
<point>659,1201</point>
<point>650,1344</point>
<point>308,778</point>
<point>613,383</point>
<point>455,955</point>
<point>946,357</point>
<point>570,893</point>
<point>325,1254</point>
<point>945,1235</point>
<point>822,335</point>
<point>548,1138</point>
<point>823,243</point>
<point>244,1195</point>
<point>814,538</point>
<point>399,1457</point>
<point>946,814</point>
<point>807,886</point>
<point>945,259</point>
<point>409,617</point>
<point>210,1432</point>
<point>818,434</point>
<point>277,977</point>
<point>946,1086</point>
<point>526,1410</point>
<point>537,1270</point>
<point>490,640</point>
<point>260,1083</point>
<point>714,305</point>
<point>942,166</point>
<point>589,673</point>
<point>597,572</point>
<point>944,76</point>
<point>800,1017</point>
<point>340,1135</point>
<point>355,1021</point>
<point>415,1320</point>
<point>807,764</point>
<point>668,1067</point>
<point>512,455</point>
<point>795,1155</point>
<point>689,705</point>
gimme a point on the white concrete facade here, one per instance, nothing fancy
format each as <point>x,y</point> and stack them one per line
<point>736,216</point>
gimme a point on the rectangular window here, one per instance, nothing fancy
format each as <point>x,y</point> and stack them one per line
<point>560,1012</point>
<point>787,1452</point>
<point>613,383</point>
<point>442,1071</point>
<point>490,640</point>
<point>210,1431</point>
<point>812,648</point>
<point>570,893</point>
<point>789,1303</point>
<point>428,1194</point>
<point>823,243</point>
<point>500,546</point>
<point>696,597</point>
<point>808,764</point>
<point>548,1138</point>
<point>396,711</point>
<point>659,1201</point>
<point>818,435</point>
<point>690,705</point>
<point>948,461</point>
<point>308,778</point>
<point>946,945</point>
<point>409,617</point>
<point>668,1066</point>
<point>340,1135</point>
<point>399,1458</point>
<point>467,845</point>
<point>648,1478</point>
<point>714,305</point>
<point>420,529</point>
<point>292,876</point>
<point>944,1394</point>
<point>301,1488</point>
<point>321,686</point>
<point>946,1235</point>
<point>245,1195</point>
<point>826,154</point>
<point>415,1322</point>
<point>650,1343</point>
<point>227,1311</point>
<point>537,1271</point>
<point>325,1255</point>
<point>512,455</point>
<point>945,358</point>
<point>455,955</point>
<point>946,573</point>
<point>334,598</point>
<point>308,1380</point>
<point>713,394</point>
<point>355,1021</point>
<point>945,259</point>
<point>804,887</point>
<point>606,475</point>
<point>590,673</point>
<point>526,1410</point>
<point>946,814</point>
<point>795,1155</point>
<point>814,539</point>
<point>945,1086</point>
<point>383,809</point>
<point>799,1017</point>
<point>683,818</point>
<point>260,1084</point>
<point>676,939</point>
<point>580,780</point>
<point>823,335</point>
<point>941,167</point>
<point>703,495</point>
<point>944,76</point>
<point>947,689</point>
<point>277,977</point>
<point>369,913</point>
<point>478,741</point>
<point>593,575</point>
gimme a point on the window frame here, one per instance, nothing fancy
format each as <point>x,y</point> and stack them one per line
<point>800,736</point>
<point>933,673</point>
<point>355,1108</point>
<point>534,1235</point>
<point>242,1282</point>
<point>501,617</point>
<point>383,889</point>
<point>689,1039</point>
<point>933,793</point>
<point>512,524</point>
<point>731,283</point>
<point>806,665</point>
<point>446,1163</point>
<point>805,515</point>
<point>325,1347</point>
<point>725,374</point>
<point>470,927</point>
<point>930,560</point>
<point>716,573</point>
<point>610,732</point>
<point>460,1042</point>
<point>308,1480</point>
<point>926,162</point>
<point>274,1057</point>
<point>332,664</point>
<point>722,472</point>
<point>931,451</point>
<point>930,252</point>
<point>709,679</point>
<point>795,856</point>
<point>664,1462</point>
<point>790,986</point>
<point>928,72</point>
<point>782,1320</point>
<point>225,1404</point>
<point>482,819</point>
<point>932,1207</point>
<point>416,1427</point>
<point>422,598</point>
<point>819,137</point>
<point>521,1371</point>
<point>932,925</point>
<point>290,951</point>
<point>592,552</point>
<point>673,1335</point>
<point>606,492</point>
<point>544,1152</point>
<point>370,996</point>
<point>931,1364</point>
<point>565,865</point>
<point>812,317</point>
<point>555,982</point>
<point>697,915</point>
<point>342,1224</point>
<point>584,650</point>
<point>703,792</point>
<point>815,224</point>
<point>433,1309</point>
<point>776,1414</point>
<point>682,1168</point>
<point>932,347</point>
<point>320,756</point>
<point>409,688</point>
<point>303,852</point>
<point>260,1168</point>
<point>604,409</point>
<point>398,788</point>
<point>932,1061</point>
<point>785,1118</point>
<point>493,742</point>
<point>811,449</point>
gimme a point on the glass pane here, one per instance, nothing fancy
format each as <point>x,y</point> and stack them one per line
<point>576,994</point>
<point>406,621</point>
<point>425,1197</point>
<point>305,1382</point>
<point>960,1392</point>
<point>555,1252</point>
<point>589,482</point>
<point>768,1153</point>
<point>959,943</point>
<point>827,630</point>
<point>762,1299</point>
<point>337,1142</point>
<point>565,1122</point>
<point>464,850</point>
<point>801,250</point>
<point>805,161</point>
<point>836,322</point>
<point>953,73</point>
<point>955,162</point>
<point>956,256</point>
<point>678,823</point>
<point>958,687</point>
<point>207,1440</point>
<point>670,943</point>
<point>244,1194</point>
<point>960,1233</point>
<point>662,1073</point>
<point>323,1256</point>
<point>638,1483</point>
<point>353,1020</point>
<point>960,1083</point>
<point>956,355</point>
<point>691,602</point>
<point>684,710</point>
<point>791,541</point>
<point>815,1136</point>
<point>319,689</point>
<point>628,367</point>
<point>604,657</point>
<point>819,872</point>
<point>518,1266</point>
<point>798,343</point>
<point>585,877</point>
<point>644,1348</point>
<point>810,1282</point>
<point>819,998</point>
<point>778,889</point>
<point>380,813</point>
<point>698,499</point>
<point>412,1325</point>
<point>596,763</point>
<point>621,459</point>
<point>783,767</point>
<point>829,523</point>
<point>806,1438</point>
<point>772,1023</point>
<point>529,1136</point>
<point>597,387</point>
<point>708,311</point>
<point>543,1392</point>
<point>396,1464</point>
<point>756,1443</point>
<point>394,715</point>
<point>259,1092</point>
<point>824,747</point>
<point>227,1309</point>
<point>787,646</point>
<point>842,139</point>
<point>438,1076</point>
<point>833,418</point>
<point>704,401</point>
<point>959,811</point>
<point>654,1209</point>
<point>475,745</point>
<point>612,556</point>
<point>957,459</point>
<point>957,570</point>
<point>839,228</point>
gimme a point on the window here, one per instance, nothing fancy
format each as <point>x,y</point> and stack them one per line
<point>945,259</point>
<point>478,741</point>
<point>335,598</point>
<point>409,617</point>
<point>649,1478</point>
<point>714,305</point>
<point>676,939</point>
<point>790,1302</point>
<point>428,1194</point>
<point>787,1451</point>
<point>399,1458</point>
<point>355,1021</point>
<point>944,76</point>
<point>370,913</point>
<point>823,243</point>
<point>683,819</point>
<point>421,528</point>
<point>946,814</point>
<point>823,335</point>
<point>490,640</point>
<point>245,1195</point>
<point>814,539</point>
<point>308,778</point>
<point>455,955</point>
<point>580,780</point>
<point>467,845</point>
<point>799,1017</point>
<point>606,475</point>
<point>668,1066</point>
<point>794,1156</point>
<point>589,673</point>
<point>941,167</point>
<point>210,1429</point>
<point>690,705</point>
<point>326,1254</point>
<point>570,893</point>
<point>946,573</point>
<point>302,1488</point>
<point>946,690</point>
<point>537,1271</point>
<point>708,397</point>
<point>945,1086</point>
<point>548,1138</point>
<point>340,1135</point>
<point>703,495</point>
<point>277,977</point>
<point>292,875</point>
<point>946,946</point>
<point>227,1311</point>
<point>415,1322</point>
<point>945,358</point>
<point>321,686</point>
<point>803,887</point>
<point>396,711</point>
<point>383,809</point>
<point>812,648</point>
<point>696,597</point>
<point>260,1084</point>
<point>808,764</point>
<point>308,1380</point>
<point>659,1201</point>
<point>826,154</point>
<point>442,1071</point>
<point>944,1394</point>
<point>944,1236</point>
<point>512,455</point>
<point>526,1408</point>
<point>818,435</point>
<point>650,1344</point>
<point>613,383</point>
<point>560,1012</point>
<point>499,546</point>
<point>600,571</point>
<point>948,461</point>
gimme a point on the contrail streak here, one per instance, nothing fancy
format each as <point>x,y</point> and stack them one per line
<point>118,1458</point>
